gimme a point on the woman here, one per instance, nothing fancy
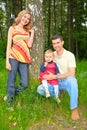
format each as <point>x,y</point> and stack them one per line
<point>20,39</point>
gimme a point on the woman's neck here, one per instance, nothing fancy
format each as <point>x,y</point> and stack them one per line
<point>20,28</point>
<point>20,25</point>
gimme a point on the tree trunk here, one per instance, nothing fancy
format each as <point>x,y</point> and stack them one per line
<point>49,20</point>
<point>69,25</point>
<point>54,17</point>
<point>69,18</point>
<point>35,6</point>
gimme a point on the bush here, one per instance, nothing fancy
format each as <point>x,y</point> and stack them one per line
<point>3,44</point>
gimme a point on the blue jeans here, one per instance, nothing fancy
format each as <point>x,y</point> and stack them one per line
<point>69,84</point>
<point>22,70</point>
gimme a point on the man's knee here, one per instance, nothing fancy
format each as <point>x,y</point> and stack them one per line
<point>72,81</point>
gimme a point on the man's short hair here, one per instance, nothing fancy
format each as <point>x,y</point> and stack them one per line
<point>57,37</point>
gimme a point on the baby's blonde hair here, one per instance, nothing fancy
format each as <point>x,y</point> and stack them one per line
<point>49,51</point>
<point>18,19</point>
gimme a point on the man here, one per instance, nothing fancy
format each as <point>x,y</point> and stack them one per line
<point>67,81</point>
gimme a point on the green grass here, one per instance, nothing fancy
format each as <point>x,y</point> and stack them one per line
<point>33,112</point>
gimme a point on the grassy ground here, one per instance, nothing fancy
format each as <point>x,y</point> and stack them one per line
<point>33,112</point>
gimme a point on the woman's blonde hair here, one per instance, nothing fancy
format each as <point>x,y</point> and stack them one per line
<point>18,19</point>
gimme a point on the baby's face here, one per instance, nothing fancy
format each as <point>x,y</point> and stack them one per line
<point>49,57</point>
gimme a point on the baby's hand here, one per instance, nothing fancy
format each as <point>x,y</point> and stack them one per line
<point>45,64</point>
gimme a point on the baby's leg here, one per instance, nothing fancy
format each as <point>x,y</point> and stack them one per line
<point>56,90</point>
<point>44,82</point>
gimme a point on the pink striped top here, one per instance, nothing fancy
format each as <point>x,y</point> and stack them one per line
<point>20,49</point>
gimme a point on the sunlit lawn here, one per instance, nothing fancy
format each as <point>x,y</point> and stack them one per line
<point>33,112</point>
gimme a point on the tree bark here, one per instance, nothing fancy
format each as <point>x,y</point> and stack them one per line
<point>36,8</point>
<point>69,19</point>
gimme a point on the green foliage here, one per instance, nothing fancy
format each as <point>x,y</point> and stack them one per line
<point>55,14</point>
<point>1,17</point>
<point>33,112</point>
<point>3,44</point>
<point>67,18</point>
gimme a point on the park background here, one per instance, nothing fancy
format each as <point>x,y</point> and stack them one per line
<point>31,111</point>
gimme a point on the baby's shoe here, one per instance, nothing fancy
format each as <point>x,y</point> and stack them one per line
<point>58,100</point>
<point>47,94</point>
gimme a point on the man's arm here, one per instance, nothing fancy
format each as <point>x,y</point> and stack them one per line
<point>71,72</point>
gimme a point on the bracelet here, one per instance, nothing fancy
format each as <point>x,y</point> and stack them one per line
<point>56,76</point>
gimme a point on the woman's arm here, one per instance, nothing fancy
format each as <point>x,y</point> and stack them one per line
<point>9,43</point>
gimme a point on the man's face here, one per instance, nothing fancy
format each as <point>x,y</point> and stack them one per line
<point>57,44</point>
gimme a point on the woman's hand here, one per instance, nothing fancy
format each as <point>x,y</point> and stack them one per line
<point>31,38</point>
<point>31,31</point>
<point>8,66</point>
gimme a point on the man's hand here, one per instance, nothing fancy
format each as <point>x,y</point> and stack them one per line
<point>49,76</point>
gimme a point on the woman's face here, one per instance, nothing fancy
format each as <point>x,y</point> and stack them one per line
<point>25,19</point>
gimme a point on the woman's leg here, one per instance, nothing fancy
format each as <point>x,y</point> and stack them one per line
<point>23,71</point>
<point>11,78</point>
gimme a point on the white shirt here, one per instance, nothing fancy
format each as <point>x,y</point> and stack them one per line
<point>65,61</point>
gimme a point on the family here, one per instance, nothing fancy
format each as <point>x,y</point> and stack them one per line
<point>57,72</point>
